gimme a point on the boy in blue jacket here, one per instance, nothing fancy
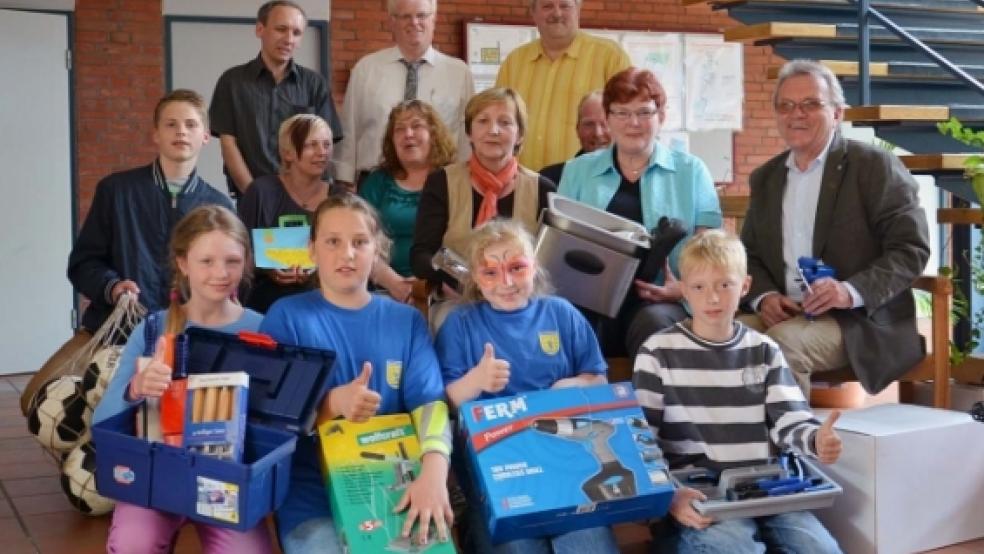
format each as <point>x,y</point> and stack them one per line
<point>122,246</point>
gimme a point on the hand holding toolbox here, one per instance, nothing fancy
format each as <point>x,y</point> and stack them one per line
<point>286,386</point>
<point>790,484</point>
<point>595,255</point>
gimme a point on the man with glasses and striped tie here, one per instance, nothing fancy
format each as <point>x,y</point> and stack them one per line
<point>411,69</point>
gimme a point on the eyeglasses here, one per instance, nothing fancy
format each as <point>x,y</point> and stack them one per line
<point>410,17</point>
<point>625,115</point>
<point>809,105</point>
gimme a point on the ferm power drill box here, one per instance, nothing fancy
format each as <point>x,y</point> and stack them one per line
<point>554,461</point>
<point>368,467</point>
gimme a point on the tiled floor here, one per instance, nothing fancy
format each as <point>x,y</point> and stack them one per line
<point>35,517</point>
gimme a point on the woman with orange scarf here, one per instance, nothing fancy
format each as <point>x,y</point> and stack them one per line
<point>491,184</point>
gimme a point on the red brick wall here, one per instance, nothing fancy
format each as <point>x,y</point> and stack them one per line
<point>119,63</point>
<point>360,26</point>
<point>119,72</point>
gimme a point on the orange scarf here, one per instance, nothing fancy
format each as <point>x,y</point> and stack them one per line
<point>492,186</point>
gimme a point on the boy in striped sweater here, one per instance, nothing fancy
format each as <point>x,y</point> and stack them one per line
<point>716,393</point>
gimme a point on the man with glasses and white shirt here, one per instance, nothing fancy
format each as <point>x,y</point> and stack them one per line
<point>411,69</point>
<point>852,205</point>
<point>552,74</point>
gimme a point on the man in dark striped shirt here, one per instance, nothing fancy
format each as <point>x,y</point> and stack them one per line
<point>718,394</point>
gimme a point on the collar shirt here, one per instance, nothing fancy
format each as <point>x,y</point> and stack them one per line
<point>250,105</point>
<point>376,85</point>
<point>552,90</point>
<point>799,213</point>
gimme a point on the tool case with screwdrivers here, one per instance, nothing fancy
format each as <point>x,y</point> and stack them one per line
<point>286,386</point>
<point>788,483</point>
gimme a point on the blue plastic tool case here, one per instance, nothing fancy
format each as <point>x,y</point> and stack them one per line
<point>287,383</point>
<point>719,507</point>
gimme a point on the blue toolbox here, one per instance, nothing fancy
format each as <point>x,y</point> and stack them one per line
<point>286,386</point>
<point>549,462</point>
<point>791,483</point>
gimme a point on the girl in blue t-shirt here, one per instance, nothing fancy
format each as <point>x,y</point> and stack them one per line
<point>384,364</point>
<point>210,256</point>
<point>511,338</point>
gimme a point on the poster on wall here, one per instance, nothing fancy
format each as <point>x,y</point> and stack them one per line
<point>488,46</point>
<point>713,83</point>
<point>661,53</point>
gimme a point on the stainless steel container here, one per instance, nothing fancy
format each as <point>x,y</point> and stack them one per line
<point>598,226</point>
<point>591,255</point>
<point>588,274</point>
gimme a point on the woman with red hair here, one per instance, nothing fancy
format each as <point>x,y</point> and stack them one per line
<point>639,179</point>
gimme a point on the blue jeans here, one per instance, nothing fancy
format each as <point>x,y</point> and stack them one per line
<point>314,536</point>
<point>792,532</point>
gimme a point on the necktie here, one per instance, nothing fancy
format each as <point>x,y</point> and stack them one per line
<point>410,90</point>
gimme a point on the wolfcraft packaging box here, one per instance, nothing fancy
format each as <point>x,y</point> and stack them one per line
<point>285,389</point>
<point>553,461</point>
<point>912,480</point>
<point>368,467</point>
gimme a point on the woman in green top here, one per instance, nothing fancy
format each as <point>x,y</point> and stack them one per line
<point>416,143</point>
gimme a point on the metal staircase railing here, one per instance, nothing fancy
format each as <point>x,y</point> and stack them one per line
<point>865,14</point>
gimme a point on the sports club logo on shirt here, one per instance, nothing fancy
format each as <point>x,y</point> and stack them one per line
<point>753,377</point>
<point>394,369</point>
<point>550,342</point>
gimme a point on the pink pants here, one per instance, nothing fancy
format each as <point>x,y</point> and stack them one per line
<point>142,530</point>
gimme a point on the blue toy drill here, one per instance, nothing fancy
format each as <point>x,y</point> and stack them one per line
<point>811,269</point>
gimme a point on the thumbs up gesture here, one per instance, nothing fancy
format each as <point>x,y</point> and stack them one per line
<point>155,376</point>
<point>492,375</point>
<point>357,401</point>
<point>827,443</point>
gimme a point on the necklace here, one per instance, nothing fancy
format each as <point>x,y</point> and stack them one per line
<point>306,202</point>
<point>634,171</point>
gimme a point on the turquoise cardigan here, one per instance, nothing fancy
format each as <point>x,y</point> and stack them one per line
<point>674,184</point>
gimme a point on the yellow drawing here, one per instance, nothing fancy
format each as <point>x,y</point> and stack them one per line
<point>290,257</point>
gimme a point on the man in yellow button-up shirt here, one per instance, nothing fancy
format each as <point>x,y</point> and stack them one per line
<point>553,73</point>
